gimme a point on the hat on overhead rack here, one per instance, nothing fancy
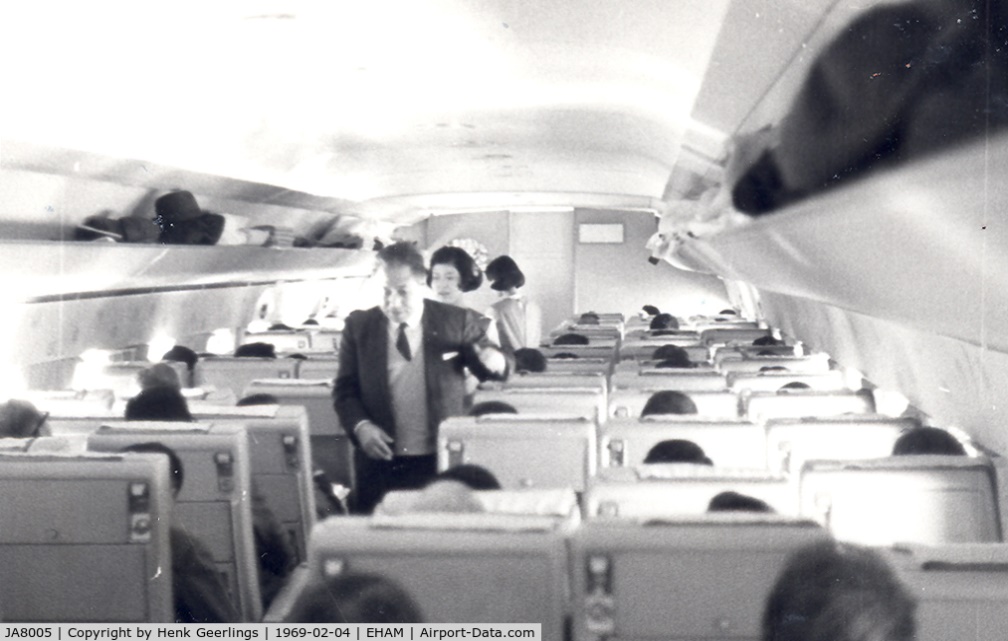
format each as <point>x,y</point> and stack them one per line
<point>182,222</point>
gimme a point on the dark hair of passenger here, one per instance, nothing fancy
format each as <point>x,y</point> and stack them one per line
<point>566,355</point>
<point>668,402</point>
<point>405,254</point>
<point>21,419</point>
<point>256,350</point>
<point>735,502</point>
<point>768,341</point>
<point>673,356</point>
<point>766,352</point>
<point>793,386</point>
<point>651,310</point>
<point>354,598</point>
<point>492,407</point>
<point>571,339</point>
<point>181,354</point>
<point>588,318</point>
<point>773,368</point>
<point>528,359</point>
<point>158,404</point>
<point>176,473</point>
<point>928,440</point>
<point>470,276</point>
<point>504,274</point>
<point>837,592</point>
<point>279,327</point>
<point>159,375</point>
<point>664,321</point>
<point>260,398</point>
<point>297,356</point>
<point>677,450</point>
<point>475,477</point>
<point>728,312</point>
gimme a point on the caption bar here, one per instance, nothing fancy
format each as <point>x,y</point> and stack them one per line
<point>267,631</point>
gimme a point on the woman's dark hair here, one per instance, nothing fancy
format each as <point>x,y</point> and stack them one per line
<point>928,440</point>
<point>664,321</point>
<point>354,598</point>
<point>504,274</point>
<point>528,359</point>
<point>735,502</point>
<point>158,404</point>
<point>475,477</point>
<point>470,276</point>
<point>256,350</point>
<point>673,356</point>
<point>669,402</point>
<point>677,450</point>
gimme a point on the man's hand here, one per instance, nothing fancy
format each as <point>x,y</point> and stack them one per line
<point>492,359</point>
<point>374,441</point>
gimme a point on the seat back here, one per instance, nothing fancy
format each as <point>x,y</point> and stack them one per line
<point>762,407</point>
<point>738,335</point>
<point>629,403</point>
<point>559,402</point>
<point>815,364</point>
<point>705,578</point>
<point>829,381</point>
<point>235,374</point>
<point>593,380</point>
<point>643,350</point>
<point>625,442</point>
<point>215,502</point>
<point>679,489</point>
<point>318,366</point>
<point>458,568</point>
<point>283,341</point>
<point>522,451</point>
<point>581,351</point>
<point>738,352</point>
<point>614,332</point>
<point>684,380</point>
<point>122,377</point>
<point>85,538</point>
<point>580,365</point>
<point>915,499</point>
<point>792,441</point>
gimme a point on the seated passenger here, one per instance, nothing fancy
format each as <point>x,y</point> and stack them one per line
<point>837,592</point>
<point>260,398</point>
<point>588,318</point>
<point>200,595</point>
<point>158,404</point>
<point>572,339</point>
<point>181,354</point>
<point>793,386</point>
<point>767,341</point>
<point>21,419</point>
<point>677,451</point>
<point>492,407</point>
<point>668,402</point>
<point>528,359</point>
<point>256,350</point>
<point>159,375</point>
<point>928,440</point>
<point>664,321</point>
<point>354,598</point>
<point>475,477</point>
<point>672,356</point>
<point>735,502</point>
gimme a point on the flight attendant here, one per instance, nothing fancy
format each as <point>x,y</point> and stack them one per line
<point>519,320</point>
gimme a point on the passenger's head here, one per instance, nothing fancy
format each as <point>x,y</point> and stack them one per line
<point>735,502</point>
<point>475,477</point>
<point>21,419</point>
<point>767,341</point>
<point>836,592</point>
<point>181,354</point>
<point>159,375</point>
<point>175,471</point>
<point>446,495</point>
<point>492,407</point>
<point>566,355</point>
<point>677,451</point>
<point>528,359</point>
<point>651,310</point>
<point>452,273</point>
<point>354,598</point>
<point>664,321</point>
<point>158,404</point>
<point>793,386</point>
<point>405,281</point>
<point>669,402</point>
<point>571,339</point>
<point>673,355</point>
<point>727,312</point>
<point>588,318</point>
<point>504,274</point>
<point>773,368</point>
<point>928,440</point>
<point>256,350</point>
<point>260,398</point>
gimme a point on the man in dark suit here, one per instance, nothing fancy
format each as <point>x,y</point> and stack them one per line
<point>401,373</point>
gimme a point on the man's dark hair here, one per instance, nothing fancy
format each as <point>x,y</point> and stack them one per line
<point>158,404</point>
<point>664,321</point>
<point>528,359</point>
<point>677,450</point>
<point>175,470</point>
<point>492,407</point>
<point>673,356</point>
<point>669,402</point>
<point>406,254</point>
<point>256,350</point>
<point>928,440</point>
<point>475,477</point>
<point>735,502</point>
<point>571,339</point>
<point>836,592</point>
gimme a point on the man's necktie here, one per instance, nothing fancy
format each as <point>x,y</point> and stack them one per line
<point>402,344</point>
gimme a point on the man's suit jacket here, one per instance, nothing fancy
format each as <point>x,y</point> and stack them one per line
<point>362,392</point>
